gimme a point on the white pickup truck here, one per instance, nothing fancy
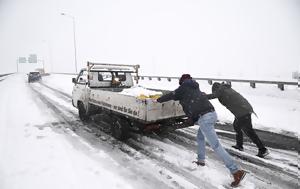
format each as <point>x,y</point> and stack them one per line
<point>99,90</point>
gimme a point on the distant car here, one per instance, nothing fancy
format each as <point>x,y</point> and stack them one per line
<point>34,76</point>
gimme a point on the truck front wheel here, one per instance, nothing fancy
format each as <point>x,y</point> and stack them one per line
<point>82,112</point>
<point>119,128</point>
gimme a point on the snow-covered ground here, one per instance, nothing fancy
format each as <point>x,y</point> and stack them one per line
<point>277,111</point>
<point>34,156</point>
<point>44,145</point>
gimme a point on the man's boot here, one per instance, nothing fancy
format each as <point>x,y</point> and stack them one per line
<point>240,148</point>
<point>199,162</point>
<point>263,152</point>
<point>238,177</point>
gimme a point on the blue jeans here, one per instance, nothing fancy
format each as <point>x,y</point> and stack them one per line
<point>206,129</point>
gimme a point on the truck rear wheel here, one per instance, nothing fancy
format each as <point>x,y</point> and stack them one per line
<point>119,128</point>
<point>82,112</point>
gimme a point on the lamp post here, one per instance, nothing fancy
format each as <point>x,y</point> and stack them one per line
<point>74,37</point>
<point>17,61</point>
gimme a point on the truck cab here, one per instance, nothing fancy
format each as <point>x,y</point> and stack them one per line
<point>101,76</point>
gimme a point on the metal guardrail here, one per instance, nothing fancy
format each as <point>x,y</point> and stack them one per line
<point>280,84</point>
<point>63,73</point>
<point>2,75</point>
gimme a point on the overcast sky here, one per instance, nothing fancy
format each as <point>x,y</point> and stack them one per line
<point>212,38</point>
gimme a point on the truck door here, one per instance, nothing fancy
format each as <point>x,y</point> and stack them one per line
<point>80,87</point>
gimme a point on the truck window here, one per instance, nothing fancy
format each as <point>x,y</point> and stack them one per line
<point>121,76</point>
<point>104,76</point>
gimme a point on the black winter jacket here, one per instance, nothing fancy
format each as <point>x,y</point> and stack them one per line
<point>232,100</point>
<point>192,100</point>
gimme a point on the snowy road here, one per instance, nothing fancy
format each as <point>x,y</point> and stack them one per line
<point>43,144</point>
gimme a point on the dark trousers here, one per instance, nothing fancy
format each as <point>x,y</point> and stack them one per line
<point>244,124</point>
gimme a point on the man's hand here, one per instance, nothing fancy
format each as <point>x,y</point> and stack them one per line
<point>189,122</point>
<point>158,100</point>
<point>154,100</point>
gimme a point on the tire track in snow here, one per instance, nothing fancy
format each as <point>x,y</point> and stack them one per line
<point>56,90</point>
<point>158,160</point>
<point>181,138</point>
<point>190,133</point>
<point>129,150</point>
<point>258,167</point>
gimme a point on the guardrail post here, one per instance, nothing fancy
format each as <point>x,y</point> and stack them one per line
<point>252,84</point>
<point>169,79</point>
<point>158,78</point>
<point>210,82</point>
<point>150,78</point>
<point>281,86</point>
<point>228,83</point>
<point>142,78</point>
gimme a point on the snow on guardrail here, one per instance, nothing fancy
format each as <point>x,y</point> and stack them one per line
<point>253,83</point>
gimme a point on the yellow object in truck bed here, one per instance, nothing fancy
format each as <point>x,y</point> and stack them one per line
<point>144,97</point>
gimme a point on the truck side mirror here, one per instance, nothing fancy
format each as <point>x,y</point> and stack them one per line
<point>73,80</point>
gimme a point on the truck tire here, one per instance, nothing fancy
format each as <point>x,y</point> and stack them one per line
<point>83,115</point>
<point>119,128</point>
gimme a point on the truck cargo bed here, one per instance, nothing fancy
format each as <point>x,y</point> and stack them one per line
<point>144,110</point>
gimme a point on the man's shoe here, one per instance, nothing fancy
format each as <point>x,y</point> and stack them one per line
<point>238,177</point>
<point>263,152</point>
<point>240,148</point>
<point>199,163</point>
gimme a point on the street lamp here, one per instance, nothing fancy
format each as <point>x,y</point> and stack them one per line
<point>74,36</point>
<point>17,65</point>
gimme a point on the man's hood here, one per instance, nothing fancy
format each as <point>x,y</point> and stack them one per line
<point>190,83</point>
<point>219,87</point>
<point>226,86</point>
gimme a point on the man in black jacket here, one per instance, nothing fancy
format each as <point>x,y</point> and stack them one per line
<point>242,111</point>
<point>198,109</point>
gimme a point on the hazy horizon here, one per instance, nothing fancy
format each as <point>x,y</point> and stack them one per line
<point>233,39</point>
